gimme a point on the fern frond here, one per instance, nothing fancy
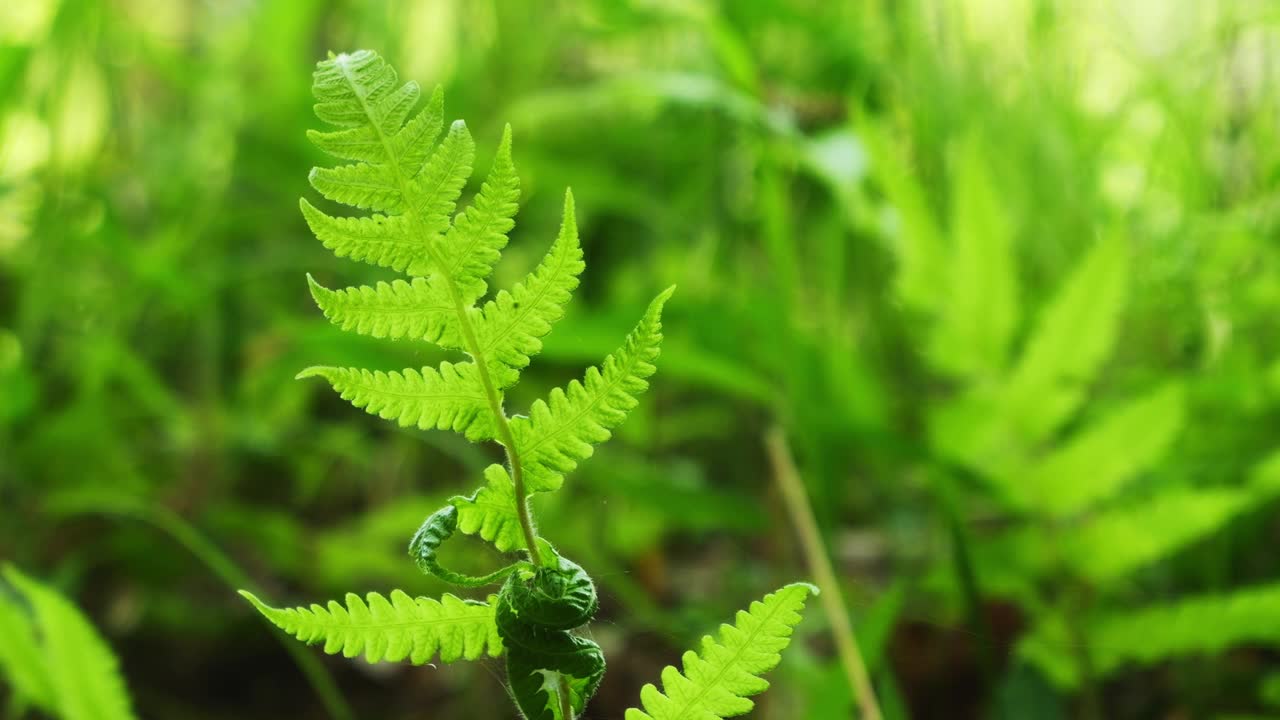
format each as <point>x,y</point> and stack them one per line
<point>491,511</point>
<point>1124,539</point>
<point>1099,461</point>
<point>22,662</point>
<point>418,310</point>
<point>510,328</point>
<point>1074,335</point>
<point>978,319</point>
<point>718,680</point>
<point>395,629</point>
<point>472,246</point>
<point>85,675</point>
<point>450,398</point>
<point>1198,625</point>
<point>562,431</point>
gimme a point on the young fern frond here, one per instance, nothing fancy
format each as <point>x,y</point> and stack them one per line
<point>393,629</point>
<point>413,185</point>
<point>718,680</point>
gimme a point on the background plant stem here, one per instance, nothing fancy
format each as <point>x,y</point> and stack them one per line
<point>819,562</point>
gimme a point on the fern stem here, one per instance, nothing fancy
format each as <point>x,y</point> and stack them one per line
<point>801,511</point>
<point>503,425</point>
<point>500,421</point>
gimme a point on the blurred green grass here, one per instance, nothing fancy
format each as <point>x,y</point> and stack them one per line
<point>872,210</point>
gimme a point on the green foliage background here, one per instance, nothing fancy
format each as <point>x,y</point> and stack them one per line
<point>1006,273</point>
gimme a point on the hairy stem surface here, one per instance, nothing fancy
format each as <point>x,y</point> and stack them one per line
<point>797,502</point>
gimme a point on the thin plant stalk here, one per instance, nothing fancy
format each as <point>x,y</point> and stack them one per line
<point>819,562</point>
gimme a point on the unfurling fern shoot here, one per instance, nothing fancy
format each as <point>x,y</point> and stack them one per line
<point>412,183</point>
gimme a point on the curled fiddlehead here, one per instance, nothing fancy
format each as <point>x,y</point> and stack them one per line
<point>535,614</point>
<point>435,530</point>
<point>536,611</point>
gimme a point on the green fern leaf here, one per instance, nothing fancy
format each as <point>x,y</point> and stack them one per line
<point>562,431</point>
<point>980,316</point>
<point>21,659</point>
<point>440,183</point>
<point>994,426</point>
<point>450,398</point>
<point>1199,625</point>
<point>472,246</point>
<point>86,677</point>
<point>377,240</point>
<point>491,511</point>
<point>365,186</point>
<point>510,328</point>
<point>1124,539</point>
<point>917,243</point>
<point>1099,461</point>
<point>417,310</point>
<point>718,680</point>
<point>1072,338</point>
<point>395,629</point>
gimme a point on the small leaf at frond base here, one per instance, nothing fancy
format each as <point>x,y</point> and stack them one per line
<point>491,511</point>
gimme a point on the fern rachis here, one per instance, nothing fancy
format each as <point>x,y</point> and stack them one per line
<point>412,185</point>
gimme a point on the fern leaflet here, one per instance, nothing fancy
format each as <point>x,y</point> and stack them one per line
<point>82,671</point>
<point>491,511</point>
<point>395,629</point>
<point>1205,624</point>
<point>418,310</point>
<point>450,398</point>
<point>718,680</point>
<point>510,328</point>
<point>562,431</point>
<point>21,658</point>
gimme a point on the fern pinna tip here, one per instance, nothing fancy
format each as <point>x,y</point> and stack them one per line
<point>313,371</point>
